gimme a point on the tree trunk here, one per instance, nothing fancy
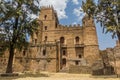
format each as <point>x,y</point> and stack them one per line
<point>10,61</point>
<point>11,48</point>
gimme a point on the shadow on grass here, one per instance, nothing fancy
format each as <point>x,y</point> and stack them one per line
<point>23,76</point>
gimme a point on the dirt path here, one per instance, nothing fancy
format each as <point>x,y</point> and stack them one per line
<point>65,76</point>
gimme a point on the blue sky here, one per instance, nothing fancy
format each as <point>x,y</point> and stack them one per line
<point>69,13</point>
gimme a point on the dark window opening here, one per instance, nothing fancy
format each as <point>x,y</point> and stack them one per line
<point>64,52</point>
<point>77,40</point>
<point>56,25</point>
<point>76,62</point>
<point>45,38</point>
<point>45,27</point>
<point>62,40</point>
<point>45,17</point>
<point>44,52</point>
<point>80,56</point>
<point>24,52</point>
<point>35,41</point>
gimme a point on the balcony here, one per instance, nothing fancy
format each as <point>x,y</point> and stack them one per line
<point>79,45</point>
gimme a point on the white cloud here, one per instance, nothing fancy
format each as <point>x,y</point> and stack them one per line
<point>79,13</point>
<point>59,6</point>
<point>75,2</point>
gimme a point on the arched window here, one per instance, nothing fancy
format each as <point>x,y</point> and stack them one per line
<point>76,62</point>
<point>35,41</point>
<point>64,52</point>
<point>24,53</point>
<point>62,40</point>
<point>45,27</point>
<point>80,56</point>
<point>45,17</point>
<point>45,38</point>
<point>77,40</point>
<point>44,52</point>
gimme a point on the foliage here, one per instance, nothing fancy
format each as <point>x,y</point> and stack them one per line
<point>16,22</point>
<point>107,12</point>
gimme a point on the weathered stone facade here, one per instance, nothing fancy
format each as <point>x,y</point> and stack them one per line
<point>56,47</point>
<point>113,58</point>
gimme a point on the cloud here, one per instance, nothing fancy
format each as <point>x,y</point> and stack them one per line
<point>75,2</point>
<point>59,6</point>
<point>78,12</point>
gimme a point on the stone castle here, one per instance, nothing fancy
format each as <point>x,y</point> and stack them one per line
<point>55,47</point>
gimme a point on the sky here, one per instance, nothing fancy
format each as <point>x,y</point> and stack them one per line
<point>69,12</point>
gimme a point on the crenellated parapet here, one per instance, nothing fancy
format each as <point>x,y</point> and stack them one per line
<point>69,27</point>
<point>46,7</point>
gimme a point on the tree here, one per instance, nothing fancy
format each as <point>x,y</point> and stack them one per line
<point>17,22</point>
<point>107,12</point>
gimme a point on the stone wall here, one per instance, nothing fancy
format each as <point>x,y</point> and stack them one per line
<point>80,69</point>
<point>46,50</point>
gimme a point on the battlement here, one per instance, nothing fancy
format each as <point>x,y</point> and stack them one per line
<point>47,7</point>
<point>69,27</point>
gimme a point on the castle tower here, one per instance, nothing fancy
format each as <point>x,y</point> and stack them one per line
<point>48,51</point>
<point>91,49</point>
<point>48,16</point>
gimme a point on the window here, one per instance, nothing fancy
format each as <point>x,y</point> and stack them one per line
<point>45,27</point>
<point>35,41</point>
<point>24,52</point>
<point>64,52</point>
<point>56,25</point>
<point>77,40</point>
<point>45,17</point>
<point>45,38</point>
<point>62,40</point>
<point>44,52</point>
<point>80,56</point>
<point>76,62</point>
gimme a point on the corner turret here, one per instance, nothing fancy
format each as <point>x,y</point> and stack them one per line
<point>90,40</point>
